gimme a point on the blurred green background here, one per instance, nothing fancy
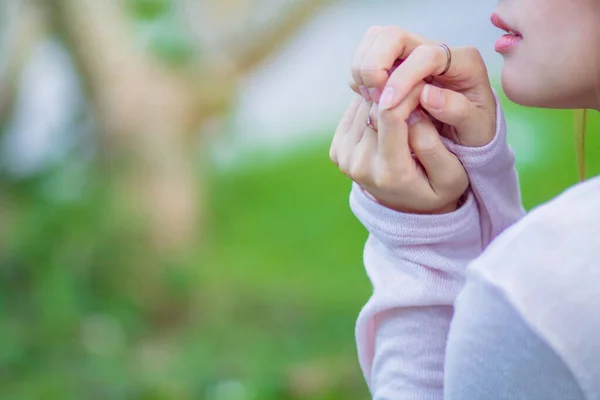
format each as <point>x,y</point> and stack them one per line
<point>251,289</point>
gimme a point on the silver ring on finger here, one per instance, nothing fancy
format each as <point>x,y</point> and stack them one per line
<point>449,55</point>
<point>370,123</point>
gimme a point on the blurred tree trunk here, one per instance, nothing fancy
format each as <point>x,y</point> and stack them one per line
<point>149,113</point>
<point>26,28</point>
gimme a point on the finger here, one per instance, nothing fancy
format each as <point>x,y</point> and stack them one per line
<point>473,124</point>
<point>343,127</point>
<point>348,140</point>
<point>359,124</point>
<point>363,156</point>
<point>391,46</point>
<point>438,124</point>
<point>424,61</point>
<point>359,55</point>
<point>354,87</point>
<point>374,113</point>
<point>441,166</point>
<point>393,129</point>
<point>466,66</point>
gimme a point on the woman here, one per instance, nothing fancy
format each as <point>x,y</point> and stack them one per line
<point>472,298</point>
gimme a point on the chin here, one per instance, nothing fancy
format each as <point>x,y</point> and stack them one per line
<point>530,91</point>
<point>523,92</point>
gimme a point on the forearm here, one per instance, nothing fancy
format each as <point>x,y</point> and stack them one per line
<point>416,264</point>
<point>410,352</point>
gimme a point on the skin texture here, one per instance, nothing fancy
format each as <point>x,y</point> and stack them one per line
<point>557,64</point>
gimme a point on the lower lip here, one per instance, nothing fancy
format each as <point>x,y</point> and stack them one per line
<point>507,42</point>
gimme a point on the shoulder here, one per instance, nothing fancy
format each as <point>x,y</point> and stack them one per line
<point>555,247</point>
<point>491,349</point>
<point>547,265</point>
<point>567,227</point>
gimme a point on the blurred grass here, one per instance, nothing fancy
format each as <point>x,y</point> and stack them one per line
<point>287,251</point>
<point>544,145</point>
<point>264,310</point>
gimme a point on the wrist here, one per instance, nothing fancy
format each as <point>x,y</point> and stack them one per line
<point>446,209</point>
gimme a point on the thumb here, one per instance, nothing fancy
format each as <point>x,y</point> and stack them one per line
<point>444,170</point>
<point>475,126</point>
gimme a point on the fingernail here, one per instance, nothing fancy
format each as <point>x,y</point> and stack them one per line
<point>414,117</point>
<point>387,97</point>
<point>434,97</point>
<point>364,92</point>
<point>375,94</point>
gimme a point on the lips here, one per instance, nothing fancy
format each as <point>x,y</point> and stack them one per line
<point>507,43</point>
<point>499,23</point>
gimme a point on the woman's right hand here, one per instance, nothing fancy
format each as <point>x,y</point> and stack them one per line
<point>392,60</point>
<point>429,182</point>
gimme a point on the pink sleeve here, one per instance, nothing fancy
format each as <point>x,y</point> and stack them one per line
<point>494,180</point>
<point>416,264</point>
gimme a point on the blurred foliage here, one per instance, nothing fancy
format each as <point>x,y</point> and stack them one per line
<point>544,145</point>
<point>162,32</point>
<point>150,9</point>
<point>265,310</point>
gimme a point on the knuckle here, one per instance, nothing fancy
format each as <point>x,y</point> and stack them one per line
<point>381,178</point>
<point>475,59</point>
<point>333,155</point>
<point>388,117</point>
<point>426,52</point>
<point>344,163</point>
<point>389,182</point>
<point>382,182</point>
<point>355,70</point>
<point>344,168</point>
<point>374,29</point>
<point>472,53</point>
<point>396,116</point>
<point>404,181</point>
<point>369,72</point>
<point>369,64</point>
<point>358,172</point>
<point>427,150</point>
<point>398,33</point>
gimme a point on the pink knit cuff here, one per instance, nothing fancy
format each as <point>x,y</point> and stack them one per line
<point>413,229</point>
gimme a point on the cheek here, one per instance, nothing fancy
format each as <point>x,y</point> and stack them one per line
<point>553,71</point>
<point>558,63</point>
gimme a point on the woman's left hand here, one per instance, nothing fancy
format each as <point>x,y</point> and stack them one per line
<point>430,181</point>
